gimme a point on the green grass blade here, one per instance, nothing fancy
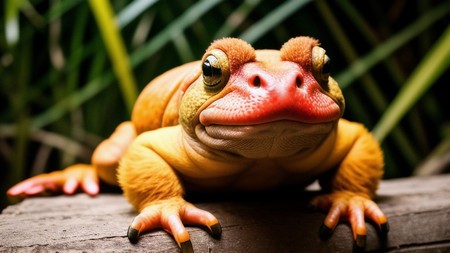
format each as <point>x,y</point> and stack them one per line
<point>437,161</point>
<point>350,54</point>
<point>361,66</point>
<point>124,17</point>
<point>183,48</point>
<point>271,20</point>
<point>368,82</point>
<point>116,49</point>
<point>73,100</point>
<point>100,83</point>
<point>236,18</point>
<point>133,10</point>
<point>11,17</point>
<point>60,8</point>
<point>176,27</point>
<point>428,70</point>
<point>367,32</point>
<point>76,44</point>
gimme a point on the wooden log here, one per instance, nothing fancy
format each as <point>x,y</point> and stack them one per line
<point>418,211</point>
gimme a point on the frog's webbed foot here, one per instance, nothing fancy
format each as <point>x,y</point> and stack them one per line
<point>354,208</point>
<point>170,215</point>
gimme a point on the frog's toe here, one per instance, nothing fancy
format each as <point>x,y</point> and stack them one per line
<point>195,216</point>
<point>162,214</point>
<point>353,208</point>
<point>171,215</point>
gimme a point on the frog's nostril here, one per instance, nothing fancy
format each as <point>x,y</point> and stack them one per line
<point>256,82</point>
<point>298,81</point>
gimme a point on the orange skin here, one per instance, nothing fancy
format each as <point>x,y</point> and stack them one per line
<point>239,119</point>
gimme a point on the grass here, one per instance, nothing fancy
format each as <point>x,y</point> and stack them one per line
<point>113,41</point>
<point>71,70</point>
<point>422,78</point>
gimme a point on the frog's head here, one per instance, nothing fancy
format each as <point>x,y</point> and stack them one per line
<point>262,103</point>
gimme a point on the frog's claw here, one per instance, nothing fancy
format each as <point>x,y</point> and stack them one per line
<point>170,214</point>
<point>351,207</point>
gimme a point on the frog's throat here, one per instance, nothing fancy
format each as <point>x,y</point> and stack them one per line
<point>269,140</point>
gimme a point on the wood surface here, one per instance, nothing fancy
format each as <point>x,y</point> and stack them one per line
<point>418,210</point>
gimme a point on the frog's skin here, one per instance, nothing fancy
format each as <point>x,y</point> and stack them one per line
<point>239,120</point>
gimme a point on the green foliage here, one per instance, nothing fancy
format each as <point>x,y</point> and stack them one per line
<point>429,69</point>
<point>103,13</point>
<point>70,70</point>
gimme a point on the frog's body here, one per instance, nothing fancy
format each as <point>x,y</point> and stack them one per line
<point>203,169</point>
<point>242,120</point>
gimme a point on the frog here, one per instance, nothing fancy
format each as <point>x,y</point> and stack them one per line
<point>238,120</point>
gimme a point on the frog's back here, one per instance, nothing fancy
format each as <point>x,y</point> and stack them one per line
<point>157,105</point>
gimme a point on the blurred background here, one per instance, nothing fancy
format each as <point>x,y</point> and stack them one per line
<point>71,70</point>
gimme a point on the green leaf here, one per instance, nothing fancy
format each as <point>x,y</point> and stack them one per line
<point>437,161</point>
<point>271,20</point>
<point>173,30</point>
<point>361,66</point>
<point>98,84</point>
<point>133,10</point>
<point>114,44</point>
<point>11,17</point>
<point>429,69</point>
<point>236,18</point>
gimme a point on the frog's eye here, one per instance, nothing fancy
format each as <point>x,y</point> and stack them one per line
<point>212,71</point>
<point>321,65</point>
<point>326,67</point>
<point>216,71</point>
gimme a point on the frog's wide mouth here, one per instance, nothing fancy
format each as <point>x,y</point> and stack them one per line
<point>274,139</point>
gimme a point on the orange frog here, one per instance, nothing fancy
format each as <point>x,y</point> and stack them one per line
<point>241,120</point>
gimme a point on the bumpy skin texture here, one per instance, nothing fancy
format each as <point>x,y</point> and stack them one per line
<point>243,120</point>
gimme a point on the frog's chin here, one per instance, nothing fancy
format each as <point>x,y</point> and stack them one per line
<point>269,140</point>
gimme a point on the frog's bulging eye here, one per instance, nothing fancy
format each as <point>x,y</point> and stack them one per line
<point>215,70</point>
<point>321,66</point>
<point>212,71</point>
<point>326,67</point>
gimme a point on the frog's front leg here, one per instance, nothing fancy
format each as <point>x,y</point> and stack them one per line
<point>104,163</point>
<point>352,187</point>
<point>153,187</point>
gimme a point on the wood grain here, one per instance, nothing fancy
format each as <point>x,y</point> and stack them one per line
<point>418,210</point>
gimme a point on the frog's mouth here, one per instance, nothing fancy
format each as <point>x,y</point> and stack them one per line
<point>268,140</point>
